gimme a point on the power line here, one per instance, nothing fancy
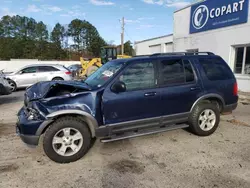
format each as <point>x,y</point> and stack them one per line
<point>128,36</point>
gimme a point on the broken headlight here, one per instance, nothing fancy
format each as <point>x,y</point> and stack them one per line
<point>33,114</point>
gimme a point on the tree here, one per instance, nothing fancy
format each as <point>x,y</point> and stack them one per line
<point>23,37</point>
<point>86,37</point>
<point>42,33</point>
<point>58,34</point>
<point>75,31</point>
<point>128,48</point>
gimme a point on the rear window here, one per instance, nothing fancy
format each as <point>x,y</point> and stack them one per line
<point>216,69</point>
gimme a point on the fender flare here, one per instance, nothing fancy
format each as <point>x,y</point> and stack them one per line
<point>88,118</point>
<point>211,95</point>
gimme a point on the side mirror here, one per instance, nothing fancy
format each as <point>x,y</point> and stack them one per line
<point>118,87</point>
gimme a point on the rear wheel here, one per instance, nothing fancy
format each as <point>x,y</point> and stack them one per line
<point>67,140</point>
<point>13,86</point>
<point>91,70</point>
<point>204,119</point>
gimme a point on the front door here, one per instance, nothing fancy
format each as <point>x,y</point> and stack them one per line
<point>27,77</point>
<point>180,86</point>
<point>140,100</point>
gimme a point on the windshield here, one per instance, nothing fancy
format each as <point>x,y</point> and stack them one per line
<point>104,74</point>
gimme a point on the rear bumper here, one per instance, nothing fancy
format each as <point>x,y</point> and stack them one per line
<point>230,108</point>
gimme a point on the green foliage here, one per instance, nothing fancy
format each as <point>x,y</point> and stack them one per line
<point>128,48</point>
<point>86,37</point>
<point>23,37</point>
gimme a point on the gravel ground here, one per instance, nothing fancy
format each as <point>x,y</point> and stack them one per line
<point>171,159</point>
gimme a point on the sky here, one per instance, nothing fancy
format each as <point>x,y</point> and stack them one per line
<point>143,18</point>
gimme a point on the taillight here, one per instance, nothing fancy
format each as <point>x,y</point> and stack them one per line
<point>235,90</point>
<point>68,72</point>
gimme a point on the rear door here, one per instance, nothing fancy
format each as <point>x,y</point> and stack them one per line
<point>141,99</point>
<point>46,73</point>
<point>179,85</point>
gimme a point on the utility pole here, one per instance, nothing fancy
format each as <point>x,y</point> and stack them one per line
<point>122,36</point>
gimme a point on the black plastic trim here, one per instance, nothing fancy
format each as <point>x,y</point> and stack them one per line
<point>30,139</point>
<point>229,108</point>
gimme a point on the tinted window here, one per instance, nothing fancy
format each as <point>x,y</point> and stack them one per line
<point>216,69</point>
<point>29,70</point>
<point>188,71</point>
<point>139,76</point>
<point>47,69</point>
<point>172,72</point>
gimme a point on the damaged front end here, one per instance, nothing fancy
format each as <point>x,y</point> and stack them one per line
<point>46,98</point>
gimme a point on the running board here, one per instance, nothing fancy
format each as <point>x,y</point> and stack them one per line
<point>143,133</point>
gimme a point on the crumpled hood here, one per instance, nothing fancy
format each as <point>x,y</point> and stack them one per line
<point>40,89</point>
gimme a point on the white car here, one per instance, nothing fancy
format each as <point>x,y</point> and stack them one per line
<point>32,74</point>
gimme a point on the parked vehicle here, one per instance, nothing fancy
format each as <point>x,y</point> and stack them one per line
<point>75,69</point>
<point>127,98</point>
<point>5,88</point>
<point>32,74</point>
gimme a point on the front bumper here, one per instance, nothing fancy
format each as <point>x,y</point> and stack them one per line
<point>30,140</point>
<point>27,129</point>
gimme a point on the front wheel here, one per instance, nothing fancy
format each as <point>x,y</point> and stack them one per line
<point>204,119</point>
<point>13,86</point>
<point>67,140</point>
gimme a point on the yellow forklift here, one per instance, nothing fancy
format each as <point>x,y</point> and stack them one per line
<point>108,53</point>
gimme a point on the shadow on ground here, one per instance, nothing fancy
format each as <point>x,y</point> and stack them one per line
<point>17,96</point>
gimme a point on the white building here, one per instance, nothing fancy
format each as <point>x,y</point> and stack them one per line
<point>221,27</point>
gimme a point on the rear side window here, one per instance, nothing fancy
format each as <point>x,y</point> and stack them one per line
<point>47,69</point>
<point>176,72</point>
<point>216,69</point>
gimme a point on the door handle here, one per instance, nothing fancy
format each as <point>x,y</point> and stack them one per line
<point>151,94</point>
<point>194,88</point>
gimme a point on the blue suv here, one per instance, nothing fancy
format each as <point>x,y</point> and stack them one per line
<point>127,98</point>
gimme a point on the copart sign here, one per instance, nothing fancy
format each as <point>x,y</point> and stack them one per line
<point>214,14</point>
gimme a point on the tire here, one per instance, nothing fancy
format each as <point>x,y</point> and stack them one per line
<point>57,79</point>
<point>59,128</point>
<point>200,120</point>
<point>13,85</point>
<point>91,70</point>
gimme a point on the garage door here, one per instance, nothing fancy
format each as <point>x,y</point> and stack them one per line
<point>155,49</point>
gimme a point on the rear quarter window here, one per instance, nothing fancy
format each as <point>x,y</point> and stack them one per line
<point>216,69</point>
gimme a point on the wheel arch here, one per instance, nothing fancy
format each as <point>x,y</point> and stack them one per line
<point>57,77</point>
<point>84,116</point>
<point>211,97</point>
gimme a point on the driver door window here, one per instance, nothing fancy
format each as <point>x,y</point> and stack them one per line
<point>139,76</point>
<point>28,70</point>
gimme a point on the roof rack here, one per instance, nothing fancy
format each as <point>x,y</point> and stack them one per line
<point>183,53</point>
<point>141,55</point>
